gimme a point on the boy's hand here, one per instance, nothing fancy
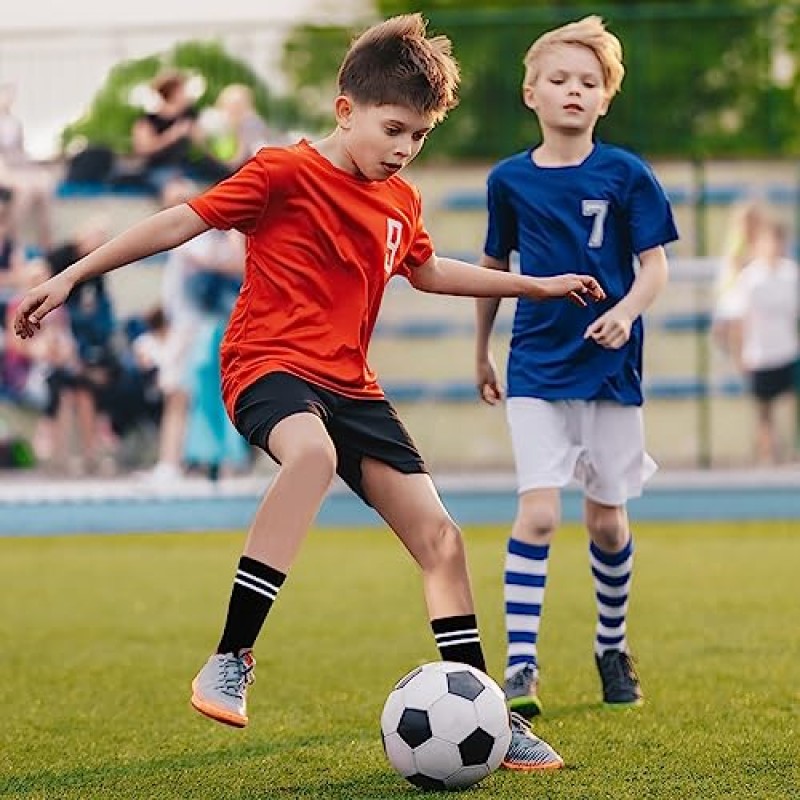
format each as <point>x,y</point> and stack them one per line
<point>611,330</point>
<point>488,386</point>
<point>38,303</point>
<point>576,288</point>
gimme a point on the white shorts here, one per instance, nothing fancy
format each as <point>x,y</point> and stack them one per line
<point>599,444</point>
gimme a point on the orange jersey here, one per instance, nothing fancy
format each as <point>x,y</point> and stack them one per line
<point>321,246</point>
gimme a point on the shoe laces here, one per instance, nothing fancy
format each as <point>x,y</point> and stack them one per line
<point>523,678</point>
<point>618,669</point>
<point>524,742</point>
<point>520,725</point>
<point>235,675</point>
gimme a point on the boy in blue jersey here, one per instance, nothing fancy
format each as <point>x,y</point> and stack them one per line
<point>574,391</point>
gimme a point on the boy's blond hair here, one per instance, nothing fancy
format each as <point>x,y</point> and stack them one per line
<point>588,32</point>
<point>395,63</point>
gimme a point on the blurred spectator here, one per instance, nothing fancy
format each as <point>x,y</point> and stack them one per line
<point>12,257</point>
<point>195,278</point>
<point>124,394</point>
<point>148,346</point>
<point>91,320</point>
<point>41,374</point>
<point>147,350</point>
<point>744,228</point>
<point>237,131</point>
<point>765,304</point>
<point>212,442</point>
<point>169,139</point>
<point>33,186</point>
<point>89,306</point>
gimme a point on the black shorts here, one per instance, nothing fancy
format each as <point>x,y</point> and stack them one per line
<point>767,384</point>
<point>358,428</point>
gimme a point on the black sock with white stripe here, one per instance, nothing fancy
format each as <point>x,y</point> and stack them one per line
<point>458,640</point>
<point>255,588</point>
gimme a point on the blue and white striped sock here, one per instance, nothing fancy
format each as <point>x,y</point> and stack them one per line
<point>525,579</point>
<point>612,585</point>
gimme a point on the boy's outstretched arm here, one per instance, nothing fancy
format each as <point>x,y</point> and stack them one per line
<point>613,329</point>
<point>162,231</point>
<point>450,276</point>
<point>486,377</point>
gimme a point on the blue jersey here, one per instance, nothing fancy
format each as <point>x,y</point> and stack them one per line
<point>593,218</point>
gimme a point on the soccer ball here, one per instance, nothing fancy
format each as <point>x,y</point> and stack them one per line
<point>445,726</point>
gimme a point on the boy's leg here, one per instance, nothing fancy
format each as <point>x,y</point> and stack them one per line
<point>277,418</point>
<point>544,437</point>
<point>619,467</point>
<point>304,450</point>
<point>525,578</point>
<point>611,557</point>
<point>411,506</point>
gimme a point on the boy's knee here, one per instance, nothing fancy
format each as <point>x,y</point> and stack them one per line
<point>444,544</point>
<point>536,522</point>
<point>312,457</point>
<point>608,527</point>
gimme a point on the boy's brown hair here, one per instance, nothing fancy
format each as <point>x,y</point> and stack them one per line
<point>395,63</point>
<point>588,32</point>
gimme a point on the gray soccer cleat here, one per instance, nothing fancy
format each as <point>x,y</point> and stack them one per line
<point>621,687</point>
<point>522,691</point>
<point>527,751</point>
<point>220,689</point>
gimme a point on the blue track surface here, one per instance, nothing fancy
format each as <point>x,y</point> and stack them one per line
<point>47,509</point>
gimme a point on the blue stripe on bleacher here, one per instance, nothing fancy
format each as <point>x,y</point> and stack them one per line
<point>67,189</point>
<point>717,194</point>
<point>465,200</point>
<point>464,391</point>
<point>437,328</point>
<point>475,199</point>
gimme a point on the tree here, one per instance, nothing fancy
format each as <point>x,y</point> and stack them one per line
<point>111,114</point>
<point>698,73</point>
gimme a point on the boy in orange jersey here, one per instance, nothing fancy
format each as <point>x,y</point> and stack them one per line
<point>328,223</point>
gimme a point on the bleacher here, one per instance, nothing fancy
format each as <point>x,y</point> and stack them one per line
<point>423,351</point>
<point>423,346</point>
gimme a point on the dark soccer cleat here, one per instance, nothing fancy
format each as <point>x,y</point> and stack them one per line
<point>621,687</point>
<point>522,691</point>
<point>527,752</point>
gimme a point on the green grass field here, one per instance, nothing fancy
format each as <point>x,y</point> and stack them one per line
<point>102,635</point>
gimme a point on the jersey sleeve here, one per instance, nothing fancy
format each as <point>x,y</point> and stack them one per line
<point>501,231</point>
<point>650,213</point>
<point>239,201</point>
